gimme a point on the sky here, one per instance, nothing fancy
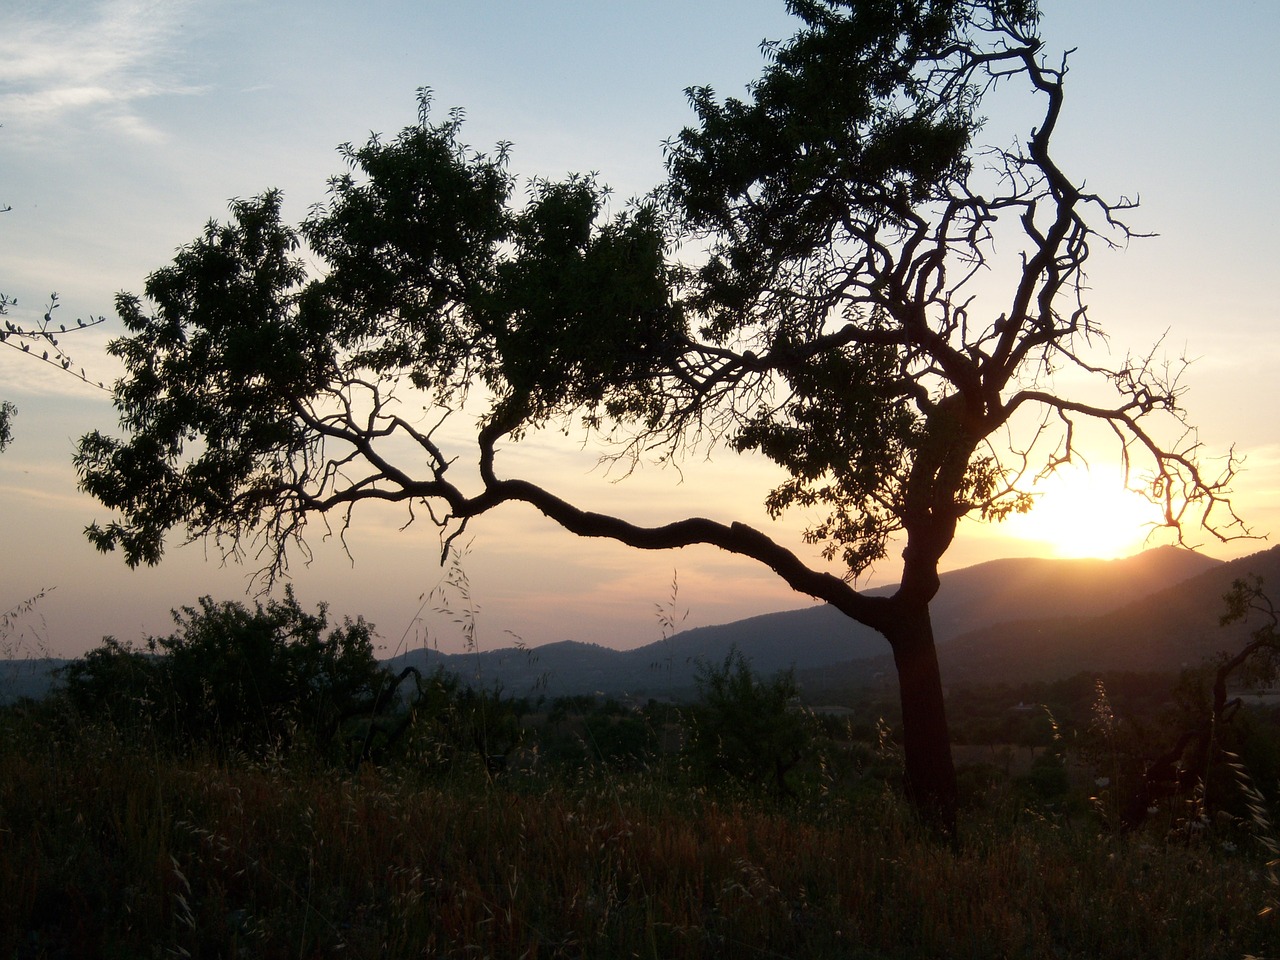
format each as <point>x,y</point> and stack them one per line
<point>125,125</point>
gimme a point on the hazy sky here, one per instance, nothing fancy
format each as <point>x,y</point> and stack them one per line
<point>125,125</point>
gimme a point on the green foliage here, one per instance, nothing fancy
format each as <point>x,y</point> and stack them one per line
<point>113,684</point>
<point>7,412</point>
<point>432,274</point>
<point>581,733</point>
<point>237,679</point>
<point>841,134</point>
<point>861,128</point>
<point>457,725</point>
<point>747,729</point>
<point>842,435</point>
<point>1047,779</point>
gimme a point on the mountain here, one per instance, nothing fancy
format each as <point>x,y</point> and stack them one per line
<point>29,678</point>
<point>818,637</point>
<point>1164,630</point>
<point>1001,620</point>
<point>567,667</point>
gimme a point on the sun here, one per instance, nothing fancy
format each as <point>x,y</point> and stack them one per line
<point>1081,512</point>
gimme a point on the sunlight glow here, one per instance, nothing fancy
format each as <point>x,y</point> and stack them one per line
<point>1086,513</point>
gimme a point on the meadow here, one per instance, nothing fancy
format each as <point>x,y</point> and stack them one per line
<point>112,846</point>
<point>259,785</point>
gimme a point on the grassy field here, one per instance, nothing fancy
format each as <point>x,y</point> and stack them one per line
<point>109,849</point>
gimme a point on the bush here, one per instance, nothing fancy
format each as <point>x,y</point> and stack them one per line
<point>237,679</point>
<point>450,725</point>
<point>747,729</point>
<point>580,732</point>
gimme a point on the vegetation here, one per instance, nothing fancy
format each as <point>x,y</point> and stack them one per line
<point>113,847</point>
<point>47,339</point>
<point>236,679</point>
<point>7,412</point>
<point>740,825</point>
<point>747,729</point>
<point>841,324</point>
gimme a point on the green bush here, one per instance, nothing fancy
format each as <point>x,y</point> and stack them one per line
<point>747,729</point>
<point>451,725</point>
<point>580,732</point>
<point>237,679</point>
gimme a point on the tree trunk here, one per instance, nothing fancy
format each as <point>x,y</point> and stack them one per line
<point>926,740</point>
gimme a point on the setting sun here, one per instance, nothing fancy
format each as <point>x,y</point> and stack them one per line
<point>1086,513</point>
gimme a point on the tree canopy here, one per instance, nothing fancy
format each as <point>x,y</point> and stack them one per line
<point>806,286</point>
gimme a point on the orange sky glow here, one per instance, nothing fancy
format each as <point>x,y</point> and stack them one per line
<point>124,126</point>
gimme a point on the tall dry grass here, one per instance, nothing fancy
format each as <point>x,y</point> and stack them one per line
<point>111,849</point>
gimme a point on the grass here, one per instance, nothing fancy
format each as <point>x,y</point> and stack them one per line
<point>109,849</point>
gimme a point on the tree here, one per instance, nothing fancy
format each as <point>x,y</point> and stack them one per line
<point>829,318</point>
<point>1208,706</point>
<point>748,728</point>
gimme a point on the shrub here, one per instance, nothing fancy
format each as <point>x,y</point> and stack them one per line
<point>237,679</point>
<point>747,729</point>
<point>580,732</point>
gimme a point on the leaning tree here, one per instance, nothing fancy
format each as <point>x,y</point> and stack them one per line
<point>816,282</point>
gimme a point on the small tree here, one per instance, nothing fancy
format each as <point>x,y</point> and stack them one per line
<point>846,212</point>
<point>747,728</point>
<point>1208,708</point>
<point>112,684</point>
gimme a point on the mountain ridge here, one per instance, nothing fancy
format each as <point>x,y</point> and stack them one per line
<point>818,636</point>
<point>1004,620</point>
<point>1167,629</point>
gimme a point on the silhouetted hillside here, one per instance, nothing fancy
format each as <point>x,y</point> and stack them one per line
<point>1165,630</point>
<point>567,667</point>
<point>1033,588</point>
<point>29,678</point>
<point>1006,619</point>
<point>818,637</point>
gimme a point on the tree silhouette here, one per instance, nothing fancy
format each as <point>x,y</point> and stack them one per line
<point>238,678</point>
<point>813,284</point>
<point>1211,707</point>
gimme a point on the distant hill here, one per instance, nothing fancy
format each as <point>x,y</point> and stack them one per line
<point>1001,620</point>
<point>818,637</point>
<point>29,678</point>
<point>1164,630</point>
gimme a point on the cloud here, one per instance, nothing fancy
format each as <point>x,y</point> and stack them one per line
<point>66,62</point>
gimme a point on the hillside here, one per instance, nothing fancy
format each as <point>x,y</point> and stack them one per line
<point>1005,619</point>
<point>1164,630</point>
<point>819,637</point>
<point>28,678</point>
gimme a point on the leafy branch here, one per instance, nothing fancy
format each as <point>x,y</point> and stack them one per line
<point>43,340</point>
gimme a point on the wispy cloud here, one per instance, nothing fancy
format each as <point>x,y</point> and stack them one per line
<point>71,61</point>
